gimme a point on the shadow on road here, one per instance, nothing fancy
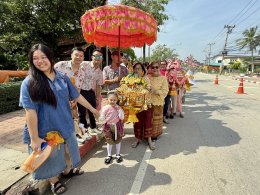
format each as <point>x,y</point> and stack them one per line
<point>115,179</point>
<point>198,129</point>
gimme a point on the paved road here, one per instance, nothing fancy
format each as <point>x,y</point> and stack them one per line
<point>213,150</point>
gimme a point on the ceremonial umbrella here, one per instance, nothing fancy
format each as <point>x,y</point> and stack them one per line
<point>118,26</point>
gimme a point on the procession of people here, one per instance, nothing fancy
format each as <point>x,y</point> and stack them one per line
<point>61,100</point>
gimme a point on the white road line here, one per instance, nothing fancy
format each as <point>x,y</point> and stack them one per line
<point>137,184</point>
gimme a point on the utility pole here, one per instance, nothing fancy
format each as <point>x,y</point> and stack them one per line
<point>224,52</point>
<point>210,44</point>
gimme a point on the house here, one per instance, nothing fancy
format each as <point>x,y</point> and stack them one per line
<point>228,59</point>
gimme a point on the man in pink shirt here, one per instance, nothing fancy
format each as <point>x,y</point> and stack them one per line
<point>91,88</point>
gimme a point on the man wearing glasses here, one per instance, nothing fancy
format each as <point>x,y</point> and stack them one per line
<point>91,88</point>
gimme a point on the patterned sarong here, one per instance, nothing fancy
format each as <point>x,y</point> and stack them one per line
<point>157,121</point>
<point>143,128</point>
<point>109,132</point>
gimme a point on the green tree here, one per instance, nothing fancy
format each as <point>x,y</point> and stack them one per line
<point>130,52</point>
<point>162,52</point>
<point>246,62</point>
<point>25,22</point>
<point>154,7</point>
<point>235,65</point>
<point>251,40</point>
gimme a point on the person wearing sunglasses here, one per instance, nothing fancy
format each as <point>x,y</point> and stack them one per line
<point>91,90</point>
<point>159,90</point>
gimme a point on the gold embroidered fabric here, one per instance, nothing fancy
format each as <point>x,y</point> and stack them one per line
<point>160,84</point>
<point>147,81</point>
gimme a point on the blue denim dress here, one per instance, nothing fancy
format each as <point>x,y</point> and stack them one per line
<point>53,119</point>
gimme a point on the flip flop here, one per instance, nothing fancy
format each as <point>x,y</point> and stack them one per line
<point>135,144</point>
<point>72,173</point>
<point>151,146</point>
<point>58,188</point>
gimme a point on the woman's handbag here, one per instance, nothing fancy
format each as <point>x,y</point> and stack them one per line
<point>36,159</point>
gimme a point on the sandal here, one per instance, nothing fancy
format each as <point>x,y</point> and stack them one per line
<point>72,173</point>
<point>108,160</point>
<point>151,145</point>
<point>135,144</point>
<point>58,188</point>
<point>119,158</point>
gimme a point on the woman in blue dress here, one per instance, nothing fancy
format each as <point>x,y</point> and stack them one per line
<point>45,96</point>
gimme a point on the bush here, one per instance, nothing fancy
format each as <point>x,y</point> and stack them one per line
<point>257,70</point>
<point>9,97</point>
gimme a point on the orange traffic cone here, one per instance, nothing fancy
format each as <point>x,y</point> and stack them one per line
<point>240,89</point>
<point>216,80</point>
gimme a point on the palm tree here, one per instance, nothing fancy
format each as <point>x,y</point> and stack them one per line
<point>251,40</point>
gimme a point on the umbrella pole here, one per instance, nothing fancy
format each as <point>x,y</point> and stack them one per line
<point>119,34</point>
<point>106,55</point>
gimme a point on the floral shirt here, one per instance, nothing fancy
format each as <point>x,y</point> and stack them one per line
<point>110,73</point>
<point>65,68</point>
<point>93,78</point>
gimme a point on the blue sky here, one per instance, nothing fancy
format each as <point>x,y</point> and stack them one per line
<point>195,23</point>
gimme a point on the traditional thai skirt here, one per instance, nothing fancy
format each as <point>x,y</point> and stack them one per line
<point>110,135</point>
<point>157,121</point>
<point>143,128</point>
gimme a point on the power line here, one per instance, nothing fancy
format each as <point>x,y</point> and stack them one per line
<point>247,9</point>
<point>257,9</point>
<point>222,30</point>
<point>254,23</point>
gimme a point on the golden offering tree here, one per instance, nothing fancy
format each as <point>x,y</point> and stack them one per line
<point>133,96</point>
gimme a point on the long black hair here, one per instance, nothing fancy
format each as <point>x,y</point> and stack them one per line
<point>39,88</point>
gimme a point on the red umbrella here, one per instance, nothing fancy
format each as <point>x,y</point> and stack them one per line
<point>118,26</point>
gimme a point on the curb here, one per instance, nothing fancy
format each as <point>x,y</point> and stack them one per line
<point>87,146</point>
<point>26,186</point>
<point>237,78</point>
